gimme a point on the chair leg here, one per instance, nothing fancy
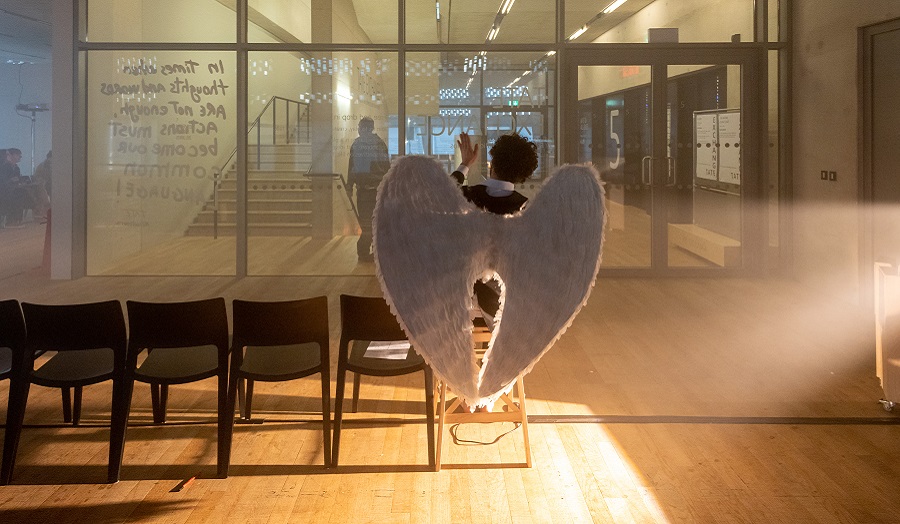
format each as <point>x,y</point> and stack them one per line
<point>241,397</point>
<point>15,416</point>
<point>66,405</point>
<point>76,406</point>
<point>163,402</point>
<point>356,381</point>
<point>338,415</point>
<point>248,402</point>
<point>121,406</point>
<point>154,402</point>
<point>429,413</point>
<point>159,397</point>
<point>326,417</point>
<point>226,440</point>
<point>226,422</point>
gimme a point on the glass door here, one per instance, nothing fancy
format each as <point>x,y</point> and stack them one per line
<point>673,135</point>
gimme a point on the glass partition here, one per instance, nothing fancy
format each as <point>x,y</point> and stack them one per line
<point>159,126</point>
<point>485,95</point>
<point>476,22</point>
<point>625,21</point>
<point>158,21</point>
<point>308,116</point>
<point>323,21</point>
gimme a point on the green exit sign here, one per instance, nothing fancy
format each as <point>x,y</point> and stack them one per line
<point>513,102</point>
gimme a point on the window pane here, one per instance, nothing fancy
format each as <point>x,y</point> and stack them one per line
<point>159,21</point>
<point>323,21</point>
<point>160,125</point>
<point>629,20</point>
<point>485,95</point>
<point>480,21</point>
<point>304,117</point>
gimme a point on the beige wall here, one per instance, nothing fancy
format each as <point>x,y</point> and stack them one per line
<point>825,131</point>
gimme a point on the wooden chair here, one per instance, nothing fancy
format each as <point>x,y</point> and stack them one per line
<point>512,409</point>
<point>278,341</point>
<point>366,319</point>
<point>185,342</point>
<point>90,345</point>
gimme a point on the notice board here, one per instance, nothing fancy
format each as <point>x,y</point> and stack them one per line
<point>717,146</point>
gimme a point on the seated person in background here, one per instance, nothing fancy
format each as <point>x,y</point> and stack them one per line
<point>13,195</point>
<point>513,159</point>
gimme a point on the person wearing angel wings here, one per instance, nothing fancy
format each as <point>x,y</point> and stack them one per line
<point>513,160</point>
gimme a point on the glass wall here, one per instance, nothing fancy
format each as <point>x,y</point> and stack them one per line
<point>305,115</point>
<point>162,127</point>
<point>476,22</point>
<point>323,21</point>
<point>485,95</point>
<point>158,21</point>
<point>628,21</point>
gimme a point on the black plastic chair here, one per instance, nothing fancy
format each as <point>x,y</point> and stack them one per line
<point>278,341</point>
<point>90,342</point>
<point>185,342</point>
<point>12,335</point>
<point>366,319</point>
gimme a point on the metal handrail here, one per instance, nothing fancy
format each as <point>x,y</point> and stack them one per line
<point>290,138</point>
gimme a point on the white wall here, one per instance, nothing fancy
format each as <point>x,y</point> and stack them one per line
<point>25,84</point>
<point>825,131</point>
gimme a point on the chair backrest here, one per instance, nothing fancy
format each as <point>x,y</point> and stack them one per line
<point>367,318</point>
<point>280,323</point>
<point>178,324</point>
<point>72,327</point>
<point>12,335</point>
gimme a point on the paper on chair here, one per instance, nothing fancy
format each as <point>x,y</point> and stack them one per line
<point>390,350</point>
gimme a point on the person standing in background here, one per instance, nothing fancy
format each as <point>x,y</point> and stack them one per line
<point>369,161</point>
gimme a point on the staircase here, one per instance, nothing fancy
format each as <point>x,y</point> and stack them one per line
<point>279,195</point>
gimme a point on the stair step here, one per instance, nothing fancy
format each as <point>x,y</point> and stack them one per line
<point>253,229</point>
<point>269,204</point>
<point>256,217</point>
<point>268,184</point>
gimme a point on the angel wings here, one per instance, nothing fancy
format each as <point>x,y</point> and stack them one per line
<point>431,245</point>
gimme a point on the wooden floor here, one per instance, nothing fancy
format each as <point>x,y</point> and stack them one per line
<point>684,400</point>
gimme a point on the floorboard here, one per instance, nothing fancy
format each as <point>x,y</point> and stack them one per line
<point>686,400</point>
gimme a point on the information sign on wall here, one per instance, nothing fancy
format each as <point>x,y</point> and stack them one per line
<point>717,146</point>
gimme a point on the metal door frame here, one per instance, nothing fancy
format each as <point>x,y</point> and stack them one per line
<point>753,121</point>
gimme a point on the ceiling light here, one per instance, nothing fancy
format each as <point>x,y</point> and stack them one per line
<point>493,34</point>
<point>507,6</point>
<point>578,33</point>
<point>550,53</point>
<point>613,6</point>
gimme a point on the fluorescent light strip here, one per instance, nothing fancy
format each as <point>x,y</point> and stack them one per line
<point>506,7</point>
<point>578,33</point>
<point>613,6</point>
<point>493,34</point>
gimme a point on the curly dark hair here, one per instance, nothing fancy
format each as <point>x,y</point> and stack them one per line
<point>513,158</point>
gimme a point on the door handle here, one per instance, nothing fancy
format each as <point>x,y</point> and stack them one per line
<point>646,174</point>
<point>670,176</point>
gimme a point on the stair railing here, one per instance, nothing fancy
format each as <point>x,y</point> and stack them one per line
<point>295,126</point>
